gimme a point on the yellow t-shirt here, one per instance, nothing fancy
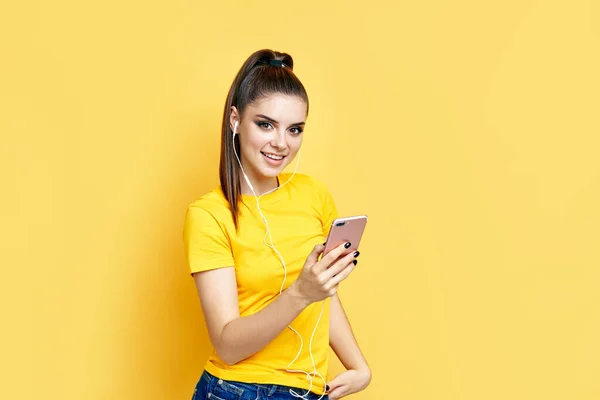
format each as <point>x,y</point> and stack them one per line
<point>299,214</point>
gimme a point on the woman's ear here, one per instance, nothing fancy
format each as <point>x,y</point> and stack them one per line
<point>233,118</point>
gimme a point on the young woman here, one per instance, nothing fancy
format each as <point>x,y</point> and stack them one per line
<point>254,245</point>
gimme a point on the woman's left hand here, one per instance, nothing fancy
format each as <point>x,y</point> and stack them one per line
<point>349,382</point>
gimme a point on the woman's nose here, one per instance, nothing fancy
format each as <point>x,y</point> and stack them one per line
<point>278,139</point>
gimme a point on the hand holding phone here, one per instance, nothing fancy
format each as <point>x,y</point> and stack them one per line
<point>319,279</point>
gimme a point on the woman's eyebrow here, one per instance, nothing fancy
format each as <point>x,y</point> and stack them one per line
<point>275,122</point>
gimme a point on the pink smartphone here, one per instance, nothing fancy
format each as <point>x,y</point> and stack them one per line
<point>348,229</point>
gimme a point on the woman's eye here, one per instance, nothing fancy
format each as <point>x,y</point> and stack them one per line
<point>264,125</point>
<point>296,131</point>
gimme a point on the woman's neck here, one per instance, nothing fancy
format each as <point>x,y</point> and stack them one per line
<point>260,186</point>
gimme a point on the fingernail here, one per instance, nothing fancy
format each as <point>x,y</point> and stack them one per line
<point>356,253</point>
<point>327,388</point>
<point>355,262</point>
<point>348,244</point>
<point>324,243</point>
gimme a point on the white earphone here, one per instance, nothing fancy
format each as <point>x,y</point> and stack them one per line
<point>309,375</point>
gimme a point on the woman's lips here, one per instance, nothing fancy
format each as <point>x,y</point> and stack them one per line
<point>273,159</point>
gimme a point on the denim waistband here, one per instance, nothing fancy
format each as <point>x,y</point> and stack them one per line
<point>268,389</point>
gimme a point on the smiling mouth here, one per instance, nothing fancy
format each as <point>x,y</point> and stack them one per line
<point>275,157</point>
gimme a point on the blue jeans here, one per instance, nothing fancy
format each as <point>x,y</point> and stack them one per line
<point>210,387</point>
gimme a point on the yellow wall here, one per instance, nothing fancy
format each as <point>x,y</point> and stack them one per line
<point>468,131</point>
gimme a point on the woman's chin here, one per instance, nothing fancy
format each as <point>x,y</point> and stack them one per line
<point>272,172</point>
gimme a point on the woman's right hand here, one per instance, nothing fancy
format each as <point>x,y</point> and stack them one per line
<point>320,279</point>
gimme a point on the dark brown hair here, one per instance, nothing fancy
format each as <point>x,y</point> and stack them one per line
<point>261,75</point>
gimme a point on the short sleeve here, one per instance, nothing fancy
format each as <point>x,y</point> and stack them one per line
<point>328,208</point>
<point>206,244</point>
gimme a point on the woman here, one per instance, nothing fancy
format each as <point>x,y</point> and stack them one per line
<point>254,245</point>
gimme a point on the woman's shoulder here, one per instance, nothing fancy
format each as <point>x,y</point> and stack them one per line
<point>210,213</point>
<point>213,202</point>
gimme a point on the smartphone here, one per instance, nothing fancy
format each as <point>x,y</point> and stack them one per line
<point>348,229</point>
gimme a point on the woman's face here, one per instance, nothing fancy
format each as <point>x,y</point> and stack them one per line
<point>270,134</point>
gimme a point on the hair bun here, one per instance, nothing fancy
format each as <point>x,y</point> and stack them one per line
<point>273,62</point>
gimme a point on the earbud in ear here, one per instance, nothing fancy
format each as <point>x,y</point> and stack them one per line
<point>235,128</point>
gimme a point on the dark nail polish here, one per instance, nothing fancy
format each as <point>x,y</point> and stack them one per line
<point>327,388</point>
<point>348,244</point>
<point>356,254</point>
<point>324,243</point>
<point>355,262</point>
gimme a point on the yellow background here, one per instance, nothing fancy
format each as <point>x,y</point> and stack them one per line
<point>468,131</point>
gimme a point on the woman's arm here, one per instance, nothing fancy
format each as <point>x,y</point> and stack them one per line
<point>236,338</point>
<point>343,343</point>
